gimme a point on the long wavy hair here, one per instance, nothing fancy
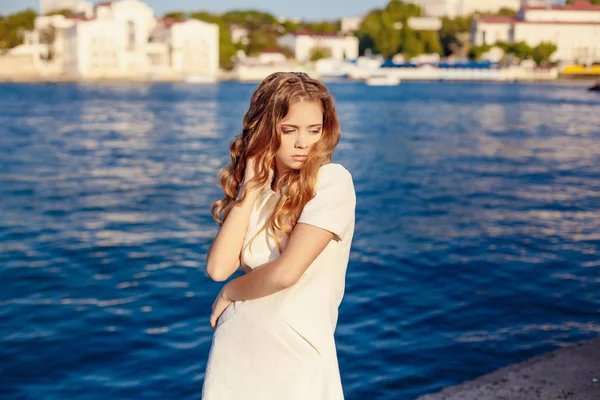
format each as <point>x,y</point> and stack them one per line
<point>260,139</point>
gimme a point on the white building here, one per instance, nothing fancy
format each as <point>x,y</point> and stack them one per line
<point>192,46</point>
<point>239,34</point>
<point>271,57</point>
<point>461,8</point>
<point>112,44</point>
<point>574,29</point>
<point>123,40</point>
<point>351,24</point>
<point>338,46</point>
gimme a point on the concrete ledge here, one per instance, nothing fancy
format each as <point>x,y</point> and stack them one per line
<point>572,373</point>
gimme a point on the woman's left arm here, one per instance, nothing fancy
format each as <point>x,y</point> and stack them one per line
<point>305,244</point>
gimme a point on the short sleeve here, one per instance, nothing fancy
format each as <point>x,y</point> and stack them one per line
<point>333,206</point>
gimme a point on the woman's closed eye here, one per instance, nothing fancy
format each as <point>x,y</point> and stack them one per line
<point>314,131</point>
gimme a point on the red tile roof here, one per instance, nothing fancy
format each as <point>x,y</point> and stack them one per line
<point>580,5</point>
<point>313,34</point>
<point>78,18</point>
<point>498,20</point>
<point>508,20</point>
<point>168,22</point>
<point>104,3</point>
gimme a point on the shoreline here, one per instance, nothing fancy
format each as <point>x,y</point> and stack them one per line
<point>59,80</point>
<point>571,372</point>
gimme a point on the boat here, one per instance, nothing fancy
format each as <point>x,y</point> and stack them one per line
<point>382,80</point>
<point>595,88</point>
<point>580,71</point>
<point>200,79</point>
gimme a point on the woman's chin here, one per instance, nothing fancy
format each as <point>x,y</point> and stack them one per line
<point>294,164</point>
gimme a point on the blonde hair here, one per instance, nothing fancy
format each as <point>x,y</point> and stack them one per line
<point>260,139</point>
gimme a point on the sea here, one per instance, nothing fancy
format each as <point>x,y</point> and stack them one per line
<point>477,239</point>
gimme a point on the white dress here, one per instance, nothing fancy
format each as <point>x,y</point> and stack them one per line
<point>281,347</point>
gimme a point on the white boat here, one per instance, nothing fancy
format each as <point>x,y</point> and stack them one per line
<point>382,80</point>
<point>200,79</point>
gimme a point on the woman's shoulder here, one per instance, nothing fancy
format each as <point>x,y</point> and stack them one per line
<point>334,175</point>
<point>334,169</point>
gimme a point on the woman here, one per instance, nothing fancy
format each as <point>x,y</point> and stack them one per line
<point>288,220</point>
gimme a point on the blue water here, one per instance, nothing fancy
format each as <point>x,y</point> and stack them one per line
<point>477,239</point>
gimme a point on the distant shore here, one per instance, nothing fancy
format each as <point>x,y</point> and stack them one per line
<point>572,373</point>
<point>230,78</point>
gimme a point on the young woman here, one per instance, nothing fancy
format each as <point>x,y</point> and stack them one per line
<point>288,221</point>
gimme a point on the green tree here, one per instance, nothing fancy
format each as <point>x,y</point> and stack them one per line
<point>227,48</point>
<point>507,12</point>
<point>177,15</point>
<point>411,44</point>
<point>388,31</point>
<point>290,26</point>
<point>14,26</point>
<point>454,35</point>
<point>263,29</point>
<point>542,52</point>
<point>475,52</point>
<point>591,1</point>
<point>317,53</point>
<point>431,42</point>
<point>65,12</point>
<point>521,50</point>
<point>320,27</point>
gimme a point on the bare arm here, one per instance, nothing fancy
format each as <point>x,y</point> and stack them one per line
<point>305,244</point>
<point>224,252</point>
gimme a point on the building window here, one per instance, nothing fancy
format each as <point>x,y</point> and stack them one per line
<point>131,35</point>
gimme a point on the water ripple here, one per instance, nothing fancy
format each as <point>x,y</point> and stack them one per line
<point>476,240</point>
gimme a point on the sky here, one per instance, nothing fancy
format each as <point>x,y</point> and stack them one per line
<point>305,9</point>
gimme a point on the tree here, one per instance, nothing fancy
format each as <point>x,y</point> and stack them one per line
<point>591,1</point>
<point>521,50</point>
<point>318,52</point>
<point>320,27</point>
<point>64,12</point>
<point>388,31</point>
<point>475,52</point>
<point>176,15</point>
<point>226,47</point>
<point>431,42</point>
<point>263,29</point>
<point>542,52</point>
<point>455,35</point>
<point>411,45</point>
<point>507,12</point>
<point>13,27</point>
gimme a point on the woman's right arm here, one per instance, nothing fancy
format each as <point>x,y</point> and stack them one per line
<point>224,252</point>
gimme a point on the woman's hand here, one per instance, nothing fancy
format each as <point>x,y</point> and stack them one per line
<point>219,305</point>
<point>251,171</point>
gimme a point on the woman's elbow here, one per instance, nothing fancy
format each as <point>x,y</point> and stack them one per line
<point>215,273</point>
<point>286,281</point>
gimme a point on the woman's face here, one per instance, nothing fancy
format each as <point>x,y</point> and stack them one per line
<point>300,129</point>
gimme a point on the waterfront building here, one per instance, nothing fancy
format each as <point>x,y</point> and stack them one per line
<point>574,29</point>
<point>463,8</point>
<point>350,24</point>
<point>119,39</point>
<point>338,46</point>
